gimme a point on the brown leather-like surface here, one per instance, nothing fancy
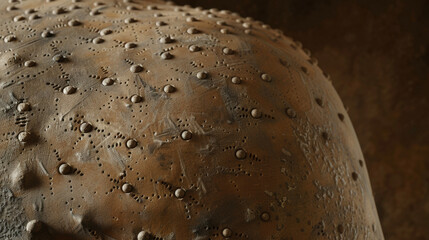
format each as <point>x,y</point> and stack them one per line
<point>129,120</point>
<point>377,55</point>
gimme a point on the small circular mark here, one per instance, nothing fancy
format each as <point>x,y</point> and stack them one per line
<point>166,39</point>
<point>130,45</point>
<point>191,19</point>
<point>192,30</point>
<point>74,23</point>
<point>59,10</point>
<point>265,77</point>
<point>179,193</point>
<point>23,107</point>
<point>136,68</point>
<point>256,113</point>
<point>169,88</point>
<point>166,55</point>
<point>58,58</point>
<point>226,232</point>
<point>131,143</point>
<point>247,25</point>
<point>130,20</point>
<point>202,75</point>
<point>160,23</point>
<point>224,31</point>
<point>290,112</point>
<point>194,48</point>
<point>240,154</point>
<point>30,63</point>
<point>85,127</point>
<point>236,80</point>
<point>24,136</point>
<point>186,135</point>
<point>65,169</point>
<point>136,98</point>
<point>69,90</point>
<point>105,32</point>
<point>265,217</point>
<point>227,51</point>
<point>107,81</point>
<point>47,33</point>
<point>97,40</point>
<point>126,188</point>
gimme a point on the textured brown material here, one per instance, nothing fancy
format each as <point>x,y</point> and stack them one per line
<point>125,120</point>
<point>377,54</point>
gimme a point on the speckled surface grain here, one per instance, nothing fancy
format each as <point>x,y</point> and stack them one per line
<point>144,120</point>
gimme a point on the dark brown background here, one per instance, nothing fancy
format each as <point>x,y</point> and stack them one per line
<point>377,55</point>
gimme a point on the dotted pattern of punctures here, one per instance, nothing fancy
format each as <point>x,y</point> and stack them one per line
<point>146,120</point>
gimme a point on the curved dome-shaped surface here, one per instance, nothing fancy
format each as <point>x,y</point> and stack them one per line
<point>145,120</point>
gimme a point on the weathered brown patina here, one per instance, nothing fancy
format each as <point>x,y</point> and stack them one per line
<point>140,119</point>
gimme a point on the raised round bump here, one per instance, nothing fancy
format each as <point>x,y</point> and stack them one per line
<point>186,135</point>
<point>136,68</point>
<point>179,193</point>
<point>65,169</point>
<point>127,188</point>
